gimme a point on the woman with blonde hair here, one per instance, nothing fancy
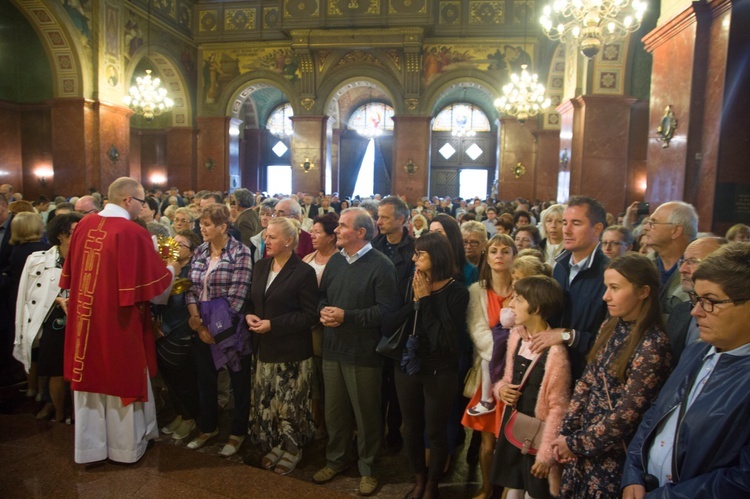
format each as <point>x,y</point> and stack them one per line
<point>281,311</point>
<point>475,238</point>
<point>551,232</point>
<point>486,299</point>
<point>419,225</point>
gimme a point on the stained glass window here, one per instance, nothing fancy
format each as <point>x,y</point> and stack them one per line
<point>461,118</point>
<point>372,119</point>
<point>279,123</point>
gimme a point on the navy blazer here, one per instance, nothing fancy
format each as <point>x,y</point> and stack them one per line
<point>677,328</point>
<point>290,303</point>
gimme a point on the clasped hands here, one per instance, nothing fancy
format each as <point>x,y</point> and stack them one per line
<point>196,324</point>
<point>258,325</point>
<point>332,316</point>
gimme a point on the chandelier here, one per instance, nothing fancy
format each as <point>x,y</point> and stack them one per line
<point>148,97</point>
<point>591,23</point>
<point>524,96</point>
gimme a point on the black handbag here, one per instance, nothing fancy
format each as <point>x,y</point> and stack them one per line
<point>391,346</point>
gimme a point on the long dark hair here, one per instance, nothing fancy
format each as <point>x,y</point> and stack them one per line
<point>640,272</point>
<point>441,255</point>
<point>456,240</point>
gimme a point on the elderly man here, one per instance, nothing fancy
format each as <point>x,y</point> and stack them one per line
<point>695,441</point>
<point>668,232</point>
<point>357,293</point>
<point>248,221</point>
<point>112,272</point>
<point>86,205</point>
<point>289,208</point>
<point>682,328</point>
<point>580,273</point>
<point>395,242</point>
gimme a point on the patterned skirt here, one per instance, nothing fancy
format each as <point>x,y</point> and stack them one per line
<point>281,414</point>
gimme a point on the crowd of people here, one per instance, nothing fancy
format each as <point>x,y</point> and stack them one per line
<point>585,354</point>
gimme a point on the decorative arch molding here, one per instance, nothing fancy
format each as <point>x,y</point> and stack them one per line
<point>340,82</point>
<point>71,68</point>
<point>447,83</point>
<point>555,88</point>
<point>392,60</point>
<point>239,91</point>
<point>172,79</point>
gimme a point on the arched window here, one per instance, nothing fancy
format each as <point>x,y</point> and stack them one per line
<point>279,122</point>
<point>462,120</point>
<point>372,119</point>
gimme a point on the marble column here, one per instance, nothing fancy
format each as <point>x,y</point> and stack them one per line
<point>181,157</point>
<point>595,129</point>
<point>411,142</point>
<point>311,141</point>
<point>212,156</point>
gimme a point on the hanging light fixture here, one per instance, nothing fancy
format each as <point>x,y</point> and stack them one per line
<point>524,95</point>
<point>147,97</point>
<point>589,24</point>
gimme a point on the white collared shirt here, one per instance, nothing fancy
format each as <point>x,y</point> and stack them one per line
<point>583,264</point>
<point>356,256</point>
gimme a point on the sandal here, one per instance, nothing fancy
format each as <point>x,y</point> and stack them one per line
<point>232,446</point>
<point>272,458</point>
<point>288,463</point>
<point>201,439</point>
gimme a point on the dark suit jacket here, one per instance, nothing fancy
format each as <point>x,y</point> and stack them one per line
<point>677,328</point>
<point>6,247</point>
<point>248,223</point>
<point>291,304</point>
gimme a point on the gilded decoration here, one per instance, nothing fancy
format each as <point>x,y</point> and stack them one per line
<point>185,18</point>
<point>407,7</point>
<point>301,8</point>
<point>270,17</point>
<point>523,12</point>
<point>341,7</point>
<point>500,60</point>
<point>322,56</point>
<point>486,12</point>
<point>239,19</point>
<point>307,103</point>
<point>395,56</point>
<point>450,12</point>
<point>207,21</point>
<point>358,56</point>
<point>411,104</point>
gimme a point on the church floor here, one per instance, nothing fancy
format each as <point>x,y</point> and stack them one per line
<point>36,460</point>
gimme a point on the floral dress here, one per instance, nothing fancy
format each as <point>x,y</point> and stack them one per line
<point>597,434</point>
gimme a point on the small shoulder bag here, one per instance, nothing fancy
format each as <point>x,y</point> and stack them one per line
<point>524,431</point>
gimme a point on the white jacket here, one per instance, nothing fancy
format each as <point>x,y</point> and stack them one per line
<point>37,291</point>
<point>479,322</point>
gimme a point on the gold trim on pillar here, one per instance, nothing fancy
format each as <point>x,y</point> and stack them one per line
<point>307,165</point>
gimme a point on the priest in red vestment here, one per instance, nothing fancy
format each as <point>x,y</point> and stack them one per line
<point>113,271</point>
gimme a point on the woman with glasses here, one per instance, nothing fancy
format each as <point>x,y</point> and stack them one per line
<point>427,395</point>
<point>183,219</point>
<point>174,344</point>
<point>475,237</point>
<point>41,311</point>
<point>220,275</point>
<point>627,366</point>
<point>616,241</point>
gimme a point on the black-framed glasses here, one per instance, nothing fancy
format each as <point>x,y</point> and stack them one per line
<point>142,201</point>
<point>418,254</point>
<point>92,210</point>
<point>473,244</point>
<point>692,262</point>
<point>707,304</point>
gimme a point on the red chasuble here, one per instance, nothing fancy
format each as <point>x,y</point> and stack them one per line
<point>112,271</point>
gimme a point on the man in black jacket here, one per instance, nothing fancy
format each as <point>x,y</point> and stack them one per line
<point>395,242</point>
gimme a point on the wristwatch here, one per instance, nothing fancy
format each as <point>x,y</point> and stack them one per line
<point>566,336</point>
